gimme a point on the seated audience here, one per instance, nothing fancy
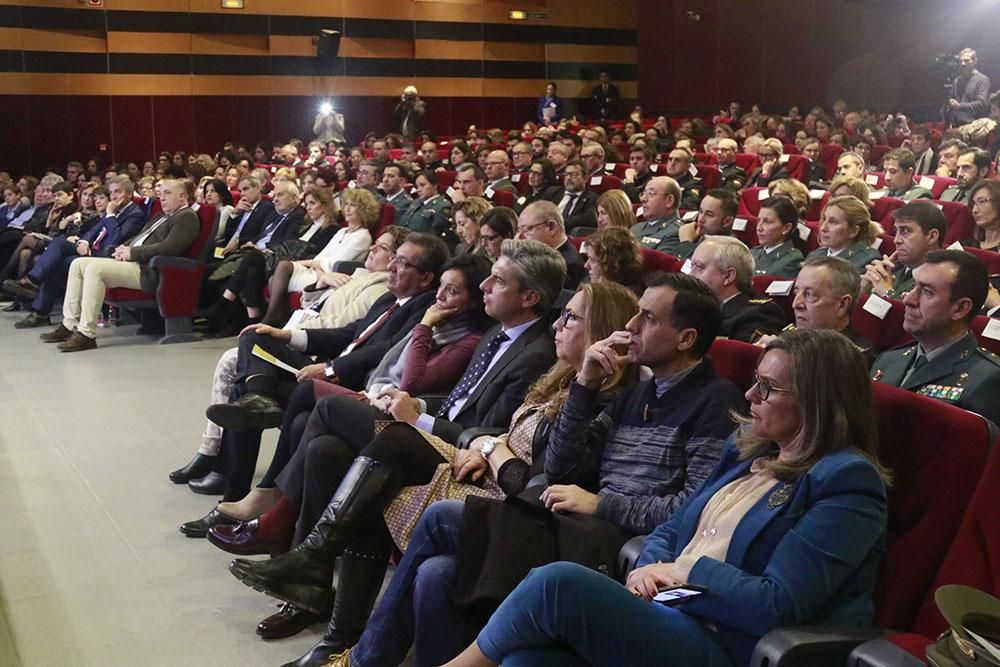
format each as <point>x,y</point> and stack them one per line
<point>679,168</point>
<point>972,166</point>
<point>817,567</point>
<point>732,177</point>
<point>919,229</point>
<point>498,172</point>
<point>851,164</point>
<point>985,205</point>
<point>614,210</point>
<point>847,230</point>
<point>844,186</point>
<point>542,184</point>
<point>468,215</point>
<point>726,266</point>
<point>640,170</point>
<point>948,152</point>
<point>218,195</point>
<point>771,167</point>
<point>793,190</point>
<point>946,362</point>
<point>248,217</point>
<point>661,228</point>
<point>777,235</point>
<point>576,204</point>
<point>920,144</point>
<point>429,211</point>
<point>816,172</point>
<point>614,255</point>
<point>498,225</point>
<point>89,277</point>
<point>395,180</point>
<point>899,166</point>
<point>716,214</point>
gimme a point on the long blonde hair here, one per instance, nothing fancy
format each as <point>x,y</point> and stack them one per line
<point>610,307</point>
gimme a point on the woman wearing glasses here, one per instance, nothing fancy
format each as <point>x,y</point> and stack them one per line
<point>497,226</point>
<point>491,466</point>
<point>983,201</point>
<point>542,184</point>
<point>770,165</point>
<point>789,529</point>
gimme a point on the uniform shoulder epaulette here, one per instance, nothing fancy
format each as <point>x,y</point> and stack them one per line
<point>759,301</point>
<point>905,346</point>
<point>989,356</point>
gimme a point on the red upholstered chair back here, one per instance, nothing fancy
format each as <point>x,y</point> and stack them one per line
<point>988,257</point>
<point>709,174</point>
<point>747,162</point>
<point>735,360</point>
<point>654,261</point>
<point>875,179</point>
<point>883,207</point>
<point>977,326</point>
<point>749,234</point>
<point>603,183</point>
<point>884,334</point>
<point>877,152</point>
<point>705,158</point>
<point>760,285</point>
<point>936,453</point>
<point>155,209</point>
<point>939,185</point>
<point>797,166</point>
<point>828,155</point>
<point>812,242</point>
<point>974,557</point>
<point>201,249</point>
<point>750,201</point>
<point>503,198</point>
<point>520,181</point>
<point>961,226</point>
<point>386,217</point>
<point>885,244</point>
<point>577,241</point>
<point>446,179</point>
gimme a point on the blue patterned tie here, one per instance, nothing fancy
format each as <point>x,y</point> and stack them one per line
<point>473,373</point>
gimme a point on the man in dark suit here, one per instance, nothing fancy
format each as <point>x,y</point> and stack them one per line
<point>249,215</point>
<point>920,144</point>
<point>576,204</point>
<point>541,221</point>
<point>89,277</point>
<point>523,284</point>
<point>45,283</point>
<point>726,265</point>
<point>605,98</point>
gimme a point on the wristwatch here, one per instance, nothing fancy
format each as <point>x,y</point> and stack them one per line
<point>487,448</point>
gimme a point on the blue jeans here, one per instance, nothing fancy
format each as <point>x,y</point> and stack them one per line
<point>417,607</point>
<point>50,271</point>
<point>565,605</point>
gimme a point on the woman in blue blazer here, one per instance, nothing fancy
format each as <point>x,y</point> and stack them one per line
<point>550,106</point>
<point>789,529</point>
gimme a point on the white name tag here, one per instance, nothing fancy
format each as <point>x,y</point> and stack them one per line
<point>689,216</point>
<point>686,267</point>
<point>877,306</point>
<point>515,178</point>
<point>804,231</point>
<point>926,182</point>
<point>521,200</point>
<point>489,192</point>
<point>693,170</point>
<point>871,179</point>
<point>780,287</point>
<point>877,243</point>
<point>740,224</point>
<point>817,194</point>
<point>596,180</point>
<point>785,157</point>
<point>876,194</point>
<point>940,206</point>
<point>763,194</point>
<point>992,329</point>
<point>609,168</point>
<point>955,246</point>
<point>451,192</point>
<point>638,212</point>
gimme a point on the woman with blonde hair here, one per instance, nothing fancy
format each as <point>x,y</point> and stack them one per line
<point>614,210</point>
<point>468,215</point>
<point>793,190</point>
<point>849,185</point>
<point>847,231</point>
<point>771,168</point>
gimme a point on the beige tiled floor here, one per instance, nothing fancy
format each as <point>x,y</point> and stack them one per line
<point>92,568</point>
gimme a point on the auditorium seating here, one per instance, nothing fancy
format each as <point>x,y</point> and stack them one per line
<point>828,155</point>
<point>760,285</point>
<point>961,226</point>
<point>884,334</point>
<point>176,296</point>
<point>601,184</point>
<point>654,261</point>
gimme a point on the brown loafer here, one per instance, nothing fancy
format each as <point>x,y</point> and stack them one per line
<point>242,540</point>
<point>290,620</point>
<point>57,335</point>
<point>78,343</point>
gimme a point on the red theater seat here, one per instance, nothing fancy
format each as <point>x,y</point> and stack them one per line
<point>828,155</point>
<point>735,360</point>
<point>709,174</point>
<point>503,198</point>
<point>884,334</point>
<point>760,285</point>
<point>961,226</point>
<point>654,261</point>
<point>176,296</point>
<point>602,183</point>
<point>386,217</point>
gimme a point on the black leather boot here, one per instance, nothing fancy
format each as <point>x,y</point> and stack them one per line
<point>196,468</point>
<point>303,576</point>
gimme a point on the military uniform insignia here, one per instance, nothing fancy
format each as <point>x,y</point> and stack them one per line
<point>878,375</point>
<point>965,355</point>
<point>961,379</point>
<point>758,302</point>
<point>780,496</point>
<point>942,392</point>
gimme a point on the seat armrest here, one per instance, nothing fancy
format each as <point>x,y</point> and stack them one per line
<point>470,434</point>
<point>810,645</point>
<point>882,653</point>
<point>347,267</point>
<point>629,554</point>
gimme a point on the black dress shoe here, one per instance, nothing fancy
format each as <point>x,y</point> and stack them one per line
<point>196,468</point>
<point>200,527</point>
<point>250,412</point>
<point>212,484</point>
<point>242,540</point>
<point>319,655</point>
<point>290,620</point>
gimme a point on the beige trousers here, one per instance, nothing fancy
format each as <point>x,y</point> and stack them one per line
<point>89,279</point>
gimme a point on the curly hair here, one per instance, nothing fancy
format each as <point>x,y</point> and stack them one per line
<point>368,207</point>
<point>793,190</point>
<point>618,253</point>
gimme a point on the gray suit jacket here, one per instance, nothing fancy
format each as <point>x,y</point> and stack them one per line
<point>172,238</point>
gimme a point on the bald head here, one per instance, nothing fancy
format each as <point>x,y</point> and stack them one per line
<point>496,165</point>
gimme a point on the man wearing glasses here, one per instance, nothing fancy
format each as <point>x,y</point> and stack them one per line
<point>969,91</point>
<point>576,204</point>
<point>496,173</point>
<point>521,156</point>
<point>542,222</point>
<point>731,176</point>
<point>679,169</point>
<point>661,229</point>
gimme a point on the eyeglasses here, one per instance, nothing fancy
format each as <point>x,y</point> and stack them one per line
<point>764,387</point>
<point>489,238</point>
<point>982,202</point>
<point>527,228</point>
<point>567,316</point>
<point>402,261</point>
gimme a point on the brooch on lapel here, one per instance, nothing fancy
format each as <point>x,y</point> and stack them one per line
<point>780,496</point>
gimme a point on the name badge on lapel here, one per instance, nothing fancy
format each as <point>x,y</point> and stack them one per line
<point>780,496</point>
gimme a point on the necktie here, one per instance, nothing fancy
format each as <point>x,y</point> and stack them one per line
<point>149,231</point>
<point>569,205</point>
<point>269,232</point>
<point>367,333</point>
<point>474,373</point>
<point>919,362</point>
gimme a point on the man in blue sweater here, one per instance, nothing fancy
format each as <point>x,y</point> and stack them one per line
<point>661,438</point>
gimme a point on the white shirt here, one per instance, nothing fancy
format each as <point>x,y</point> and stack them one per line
<point>345,246</point>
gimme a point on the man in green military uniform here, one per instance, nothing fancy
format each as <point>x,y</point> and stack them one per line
<point>679,169</point>
<point>899,166</point>
<point>725,265</point>
<point>946,362</point>
<point>659,207</point>
<point>731,176</point>
<point>920,228</point>
<point>716,214</point>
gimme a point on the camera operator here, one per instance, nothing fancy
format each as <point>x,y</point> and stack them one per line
<point>969,91</point>
<point>411,110</point>
<point>329,125</point>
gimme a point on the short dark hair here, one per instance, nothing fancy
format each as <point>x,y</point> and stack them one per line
<point>476,170</point>
<point>972,281</point>
<point>475,268</point>
<point>434,252</point>
<point>548,171</point>
<point>647,152</point>
<point>980,158</point>
<point>730,207</point>
<point>501,220</point>
<point>63,186</point>
<point>219,187</point>
<point>953,143</point>
<point>922,131</point>
<point>925,214</point>
<point>430,175</point>
<point>903,157</point>
<point>695,307</point>
<point>575,163</point>
<point>784,208</point>
<point>404,173</point>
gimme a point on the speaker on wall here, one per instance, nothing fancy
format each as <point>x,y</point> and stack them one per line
<point>328,50</point>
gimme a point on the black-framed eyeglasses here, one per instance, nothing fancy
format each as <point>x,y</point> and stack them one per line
<point>489,238</point>
<point>764,387</point>
<point>567,316</point>
<point>402,261</point>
